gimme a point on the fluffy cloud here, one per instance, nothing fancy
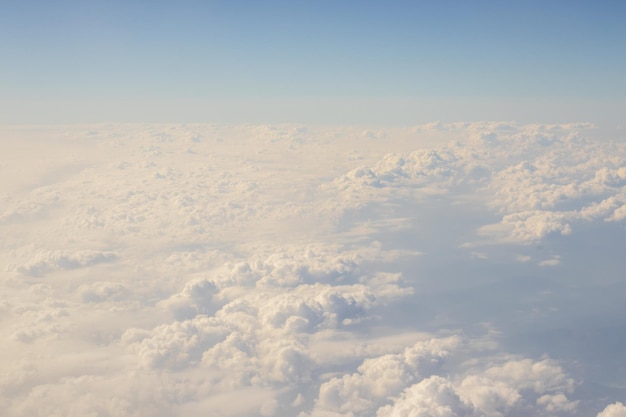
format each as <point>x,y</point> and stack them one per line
<point>416,169</point>
<point>292,270</point>
<point>613,410</point>
<point>540,179</point>
<point>499,389</point>
<point>419,381</point>
<point>176,345</point>
<point>49,261</point>
<point>380,377</point>
<point>252,323</point>
<point>434,396</point>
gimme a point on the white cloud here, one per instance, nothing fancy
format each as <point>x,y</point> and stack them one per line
<point>500,389</point>
<point>427,378</point>
<point>295,270</point>
<point>558,403</point>
<point>102,291</point>
<point>613,410</point>
<point>177,345</point>
<point>49,261</point>
<point>434,396</point>
<point>541,179</point>
<point>550,262</point>
<point>197,297</point>
<point>381,377</point>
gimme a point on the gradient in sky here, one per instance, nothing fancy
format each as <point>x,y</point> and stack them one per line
<point>323,61</point>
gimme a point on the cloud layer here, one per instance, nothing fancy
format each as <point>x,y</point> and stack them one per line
<point>466,269</point>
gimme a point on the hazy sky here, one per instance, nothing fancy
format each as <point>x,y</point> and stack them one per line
<point>311,61</point>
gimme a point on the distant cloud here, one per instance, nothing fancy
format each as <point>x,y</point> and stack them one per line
<point>542,180</point>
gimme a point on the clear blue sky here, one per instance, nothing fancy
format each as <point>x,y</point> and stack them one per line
<point>381,61</point>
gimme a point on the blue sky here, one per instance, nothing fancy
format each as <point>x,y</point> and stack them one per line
<point>326,61</point>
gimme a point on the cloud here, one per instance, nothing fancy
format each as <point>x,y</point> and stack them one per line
<point>558,403</point>
<point>40,324</point>
<point>380,377</point>
<point>197,297</point>
<point>177,345</point>
<point>542,180</point>
<point>49,261</point>
<point>427,379</point>
<point>250,323</point>
<point>500,389</point>
<point>613,410</point>
<point>43,199</point>
<point>102,291</point>
<point>434,396</point>
<point>314,271</point>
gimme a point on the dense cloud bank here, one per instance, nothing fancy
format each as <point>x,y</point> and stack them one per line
<point>469,269</point>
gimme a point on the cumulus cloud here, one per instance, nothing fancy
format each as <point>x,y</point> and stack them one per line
<point>380,377</point>
<point>176,345</point>
<point>49,261</point>
<point>613,410</point>
<point>102,291</point>
<point>421,381</point>
<point>499,389</point>
<point>197,297</point>
<point>434,396</point>
<point>542,180</point>
<point>416,169</point>
<point>295,270</point>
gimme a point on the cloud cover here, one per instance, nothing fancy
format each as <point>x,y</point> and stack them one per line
<point>444,270</point>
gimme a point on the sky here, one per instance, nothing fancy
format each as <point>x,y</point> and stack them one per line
<point>322,62</point>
